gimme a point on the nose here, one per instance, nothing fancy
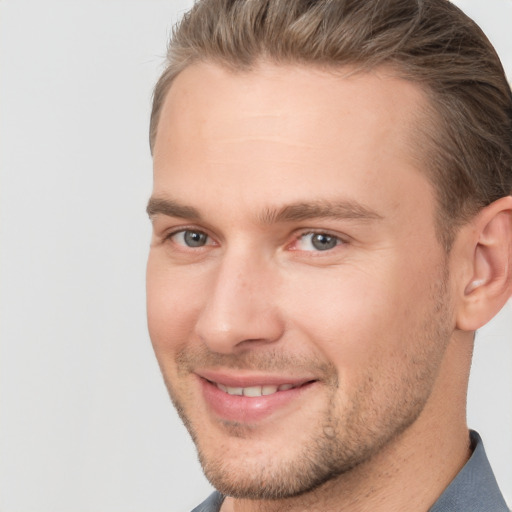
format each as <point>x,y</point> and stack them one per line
<point>241,308</point>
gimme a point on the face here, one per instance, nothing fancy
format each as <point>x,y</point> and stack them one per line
<point>297,293</point>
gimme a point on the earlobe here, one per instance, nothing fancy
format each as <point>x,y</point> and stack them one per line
<point>489,285</point>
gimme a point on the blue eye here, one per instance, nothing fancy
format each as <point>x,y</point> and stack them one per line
<point>317,242</point>
<point>190,238</point>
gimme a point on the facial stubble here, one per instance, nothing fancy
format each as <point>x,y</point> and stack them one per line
<point>345,437</point>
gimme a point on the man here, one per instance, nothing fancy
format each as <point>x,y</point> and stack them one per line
<point>332,221</point>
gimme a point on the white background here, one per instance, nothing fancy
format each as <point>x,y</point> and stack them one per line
<point>86,424</point>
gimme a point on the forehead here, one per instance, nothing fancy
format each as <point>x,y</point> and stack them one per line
<point>288,131</point>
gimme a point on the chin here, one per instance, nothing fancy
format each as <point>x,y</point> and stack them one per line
<point>265,479</point>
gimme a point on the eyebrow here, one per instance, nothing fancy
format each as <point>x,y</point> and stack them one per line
<point>343,209</point>
<point>171,209</point>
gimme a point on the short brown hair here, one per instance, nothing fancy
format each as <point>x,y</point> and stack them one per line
<point>467,142</point>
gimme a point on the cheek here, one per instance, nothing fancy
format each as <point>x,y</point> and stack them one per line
<point>341,305</point>
<point>172,299</point>
<point>356,318</point>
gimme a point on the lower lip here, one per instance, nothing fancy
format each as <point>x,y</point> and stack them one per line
<point>244,409</point>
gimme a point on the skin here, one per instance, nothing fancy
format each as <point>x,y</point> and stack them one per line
<point>371,323</point>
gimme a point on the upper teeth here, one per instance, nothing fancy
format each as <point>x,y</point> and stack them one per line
<point>255,390</point>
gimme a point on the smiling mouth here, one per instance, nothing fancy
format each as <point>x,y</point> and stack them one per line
<point>256,391</point>
<point>249,399</point>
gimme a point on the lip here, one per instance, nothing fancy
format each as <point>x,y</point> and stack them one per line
<point>245,380</point>
<point>250,410</point>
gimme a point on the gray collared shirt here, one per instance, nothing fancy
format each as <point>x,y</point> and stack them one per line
<point>474,489</point>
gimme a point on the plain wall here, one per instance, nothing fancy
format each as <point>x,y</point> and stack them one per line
<point>85,421</point>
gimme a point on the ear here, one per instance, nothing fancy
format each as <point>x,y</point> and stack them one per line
<point>487,285</point>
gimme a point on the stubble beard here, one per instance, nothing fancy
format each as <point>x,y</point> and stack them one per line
<point>342,440</point>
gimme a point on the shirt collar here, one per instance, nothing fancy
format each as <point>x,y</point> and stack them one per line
<point>475,488</point>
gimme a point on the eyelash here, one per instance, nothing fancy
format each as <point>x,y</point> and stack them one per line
<point>297,240</point>
<point>170,236</point>
<point>331,237</point>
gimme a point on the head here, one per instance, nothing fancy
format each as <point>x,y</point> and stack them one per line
<point>330,217</point>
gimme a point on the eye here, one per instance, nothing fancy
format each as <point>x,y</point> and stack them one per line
<point>191,238</point>
<point>317,242</point>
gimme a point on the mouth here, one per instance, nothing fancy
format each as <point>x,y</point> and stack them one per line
<point>252,398</point>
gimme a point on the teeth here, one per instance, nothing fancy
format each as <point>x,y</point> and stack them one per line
<point>253,391</point>
<point>268,390</point>
<point>235,391</point>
